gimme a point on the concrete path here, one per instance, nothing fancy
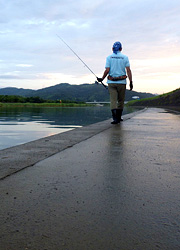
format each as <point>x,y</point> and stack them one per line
<point>16,158</point>
<point>116,187</point>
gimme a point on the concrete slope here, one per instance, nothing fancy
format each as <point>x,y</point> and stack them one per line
<point>118,189</point>
<point>16,158</point>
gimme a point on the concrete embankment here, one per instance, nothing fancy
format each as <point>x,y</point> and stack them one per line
<point>19,157</point>
<point>98,187</point>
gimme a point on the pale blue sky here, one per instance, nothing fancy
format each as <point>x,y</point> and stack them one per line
<point>32,56</point>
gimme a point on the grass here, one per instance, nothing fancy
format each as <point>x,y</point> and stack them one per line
<point>43,105</point>
<point>167,99</point>
<point>130,103</point>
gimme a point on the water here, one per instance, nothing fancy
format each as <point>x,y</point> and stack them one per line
<point>21,125</point>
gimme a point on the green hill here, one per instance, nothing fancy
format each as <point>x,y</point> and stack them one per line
<point>65,91</point>
<point>168,99</point>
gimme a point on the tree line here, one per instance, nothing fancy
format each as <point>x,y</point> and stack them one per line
<point>33,99</point>
<point>21,99</point>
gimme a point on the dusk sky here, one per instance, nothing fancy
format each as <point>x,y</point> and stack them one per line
<point>32,56</point>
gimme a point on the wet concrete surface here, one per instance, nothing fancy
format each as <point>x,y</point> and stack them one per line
<point>16,158</point>
<point>118,189</point>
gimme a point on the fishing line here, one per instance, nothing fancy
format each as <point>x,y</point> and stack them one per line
<point>96,82</point>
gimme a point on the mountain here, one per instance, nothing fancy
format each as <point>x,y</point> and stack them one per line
<point>66,91</point>
<point>16,91</point>
<point>169,99</point>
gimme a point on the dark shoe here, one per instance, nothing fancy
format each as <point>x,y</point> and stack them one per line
<point>114,116</point>
<point>119,114</point>
<point>114,122</point>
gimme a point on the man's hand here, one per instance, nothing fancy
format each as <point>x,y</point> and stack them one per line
<point>131,85</point>
<point>99,79</point>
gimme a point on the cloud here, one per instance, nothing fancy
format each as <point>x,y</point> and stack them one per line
<point>9,77</point>
<point>148,30</point>
<point>24,65</point>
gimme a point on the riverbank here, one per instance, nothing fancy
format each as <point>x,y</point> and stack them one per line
<point>16,158</point>
<point>169,108</point>
<point>38,105</point>
<point>100,187</point>
<point>24,124</point>
<point>171,99</point>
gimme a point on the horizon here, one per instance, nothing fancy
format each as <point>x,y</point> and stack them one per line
<point>32,56</point>
<point>83,84</point>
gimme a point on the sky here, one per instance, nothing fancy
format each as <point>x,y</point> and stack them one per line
<point>33,57</point>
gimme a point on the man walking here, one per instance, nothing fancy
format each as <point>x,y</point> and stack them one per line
<point>117,65</point>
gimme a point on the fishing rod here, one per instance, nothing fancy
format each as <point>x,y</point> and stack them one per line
<point>96,82</point>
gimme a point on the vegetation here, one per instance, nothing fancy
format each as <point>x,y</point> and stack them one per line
<point>21,99</point>
<point>3,105</point>
<point>169,99</point>
<point>9,100</point>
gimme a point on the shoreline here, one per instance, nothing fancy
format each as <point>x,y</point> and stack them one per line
<point>43,105</point>
<point>109,187</point>
<point>173,108</point>
<point>16,158</point>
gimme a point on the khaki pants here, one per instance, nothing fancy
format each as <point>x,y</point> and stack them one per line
<point>117,95</point>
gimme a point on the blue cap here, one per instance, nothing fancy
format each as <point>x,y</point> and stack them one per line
<point>116,47</point>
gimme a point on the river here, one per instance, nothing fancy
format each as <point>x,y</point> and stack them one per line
<point>21,125</point>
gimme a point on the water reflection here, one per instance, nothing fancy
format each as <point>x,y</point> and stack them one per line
<point>20,125</point>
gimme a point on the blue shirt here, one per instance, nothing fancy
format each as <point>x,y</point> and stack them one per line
<point>117,64</point>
